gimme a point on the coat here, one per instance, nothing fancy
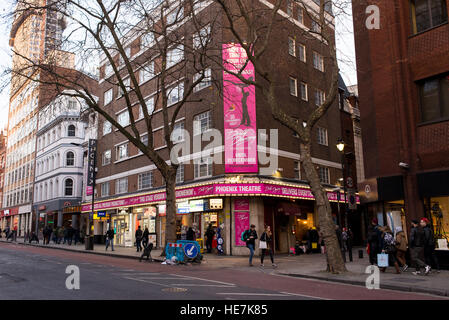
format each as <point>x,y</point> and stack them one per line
<point>401,241</point>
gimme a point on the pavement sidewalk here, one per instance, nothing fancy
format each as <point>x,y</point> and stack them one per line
<point>311,266</point>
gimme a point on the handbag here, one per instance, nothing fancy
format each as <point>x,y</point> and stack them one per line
<point>262,244</point>
<point>382,260</point>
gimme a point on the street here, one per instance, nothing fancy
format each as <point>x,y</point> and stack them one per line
<point>40,273</point>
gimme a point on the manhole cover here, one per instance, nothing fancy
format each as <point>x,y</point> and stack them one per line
<point>174,289</point>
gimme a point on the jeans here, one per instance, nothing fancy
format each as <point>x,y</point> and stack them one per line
<point>415,255</point>
<point>251,252</point>
<point>263,255</point>
<point>138,245</point>
<point>430,257</point>
<point>110,241</point>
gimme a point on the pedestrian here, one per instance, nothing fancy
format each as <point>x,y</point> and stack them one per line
<point>34,237</point>
<point>374,241</point>
<point>139,234</point>
<point>145,237</point>
<point>55,235</point>
<point>209,237</point>
<point>61,234</point>
<point>66,235</point>
<point>429,245</point>
<point>110,238</point>
<point>389,247</point>
<point>312,238</point>
<point>340,241</point>
<point>250,236</point>
<point>266,244</point>
<point>6,232</point>
<point>348,242</point>
<point>77,235</point>
<point>82,235</point>
<point>401,248</point>
<point>190,234</point>
<point>70,233</point>
<point>416,245</point>
<point>14,234</point>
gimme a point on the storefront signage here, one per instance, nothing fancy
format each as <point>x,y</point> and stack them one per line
<point>216,203</point>
<point>259,189</point>
<point>241,224</point>
<point>42,208</point>
<point>91,163</point>
<point>196,205</point>
<point>11,212</point>
<point>183,207</point>
<point>239,104</point>
<point>101,213</point>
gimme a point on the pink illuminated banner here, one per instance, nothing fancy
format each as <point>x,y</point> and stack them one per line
<point>239,103</point>
<point>219,189</point>
<point>241,224</point>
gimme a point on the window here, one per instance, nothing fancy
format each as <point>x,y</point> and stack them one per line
<point>145,139</point>
<point>177,134</point>
<point>72,104</point>
<point>318,61</point>
<point>205,82</point>
<point>201,123</point>
<point>203,168</point>
<point>324,175</point>
<point>70,159</point>
<point>319,97</point>
<point>71,131</point>
<point>107,69</point>
<point>108,96</point>
<point>316,27</point>
<point>121,185</point>
<point>150,107</point>
<point>300,15</point>
<point>434,98</point>
<point>175,94</point>
<point>289,8</point>
<point>175,16</point>
<point>68,187</point>
<point>146,40</point>
<point>291,47</point>
<point>199,4</point>
<point>105,189</point>
<point>293,89</point>
<point>122,151</point>
<point>297,170</point>
<point>302,52</point>
<point>175,56</point>
<point>180,173</point>
<point>427,14</point>
<point>146,72</point>
<point>123,118</point>
<point>145,180</point>
<point>107,127</point>
<point>303,88</point>
<point>322,136</point>
<point>107,157</point>
<point>201,38</point>
<point>126,83</point>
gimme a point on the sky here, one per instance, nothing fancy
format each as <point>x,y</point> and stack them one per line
<point>344,34</point>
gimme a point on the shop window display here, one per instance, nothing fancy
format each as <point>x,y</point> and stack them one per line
<point>440,219</point>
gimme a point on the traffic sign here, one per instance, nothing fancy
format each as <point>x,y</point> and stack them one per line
<point>190,250</point>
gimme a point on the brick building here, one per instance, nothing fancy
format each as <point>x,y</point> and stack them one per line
<point>404,105</point>
<point>130,190</point>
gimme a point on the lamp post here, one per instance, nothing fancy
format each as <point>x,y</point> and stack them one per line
<point>341,147</point>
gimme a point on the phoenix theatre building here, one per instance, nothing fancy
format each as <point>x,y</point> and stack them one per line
<point>232,194</point>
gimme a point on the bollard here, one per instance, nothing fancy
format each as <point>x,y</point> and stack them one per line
<point>360,254</point>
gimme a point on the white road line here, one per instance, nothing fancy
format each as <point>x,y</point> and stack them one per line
<point>226,283</point>
<point>200,285</point>
<point>146,281</point>
<point>305,295</point>
<point>253,294</point>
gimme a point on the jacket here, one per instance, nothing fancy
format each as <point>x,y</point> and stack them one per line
<point>417,237</point>
<point>401,242</point>
<point>251,233</point>
<point>268,239</point>
<point>374,237</point>
<point>110,234</point>
<point>429,241</point>
<point>139,234</point>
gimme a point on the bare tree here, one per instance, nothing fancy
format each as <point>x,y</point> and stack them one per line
<point>107,30</point>
<point>252,26</point>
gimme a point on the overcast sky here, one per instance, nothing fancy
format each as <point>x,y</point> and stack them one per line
<point>345,52</point>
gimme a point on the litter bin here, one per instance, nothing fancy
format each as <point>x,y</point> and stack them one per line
<point>89,243</point>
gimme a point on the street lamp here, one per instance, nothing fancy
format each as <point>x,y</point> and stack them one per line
<point>341,147</point>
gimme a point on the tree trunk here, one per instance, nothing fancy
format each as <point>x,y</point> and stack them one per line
<point>170,218</point>
<point>326,224</point>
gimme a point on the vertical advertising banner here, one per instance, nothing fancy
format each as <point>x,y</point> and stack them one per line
<point>239,112</point>
<point>91,163</point>
<point>241,216</point>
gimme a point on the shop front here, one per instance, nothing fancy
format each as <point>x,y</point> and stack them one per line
<point>122,223</point>
<point>145,218</point>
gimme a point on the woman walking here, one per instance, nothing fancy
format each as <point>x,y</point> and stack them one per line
<point>388,247</point>
<point>265,244</point>
<point>401,248</point>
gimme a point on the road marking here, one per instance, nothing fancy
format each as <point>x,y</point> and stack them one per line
<point>146,281</point>
<point>226,283</point>
<point>253,294</point>
<point>201,285</point>
<point>305,295</point>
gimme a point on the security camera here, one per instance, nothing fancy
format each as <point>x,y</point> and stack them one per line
<point>404,165</point>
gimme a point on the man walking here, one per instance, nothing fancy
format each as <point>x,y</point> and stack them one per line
<point>374,241</point>
<point>416,245</point>
<point>209,237</point>
<point>139,235</point>
<point>429,244</point>
<point>110,238</point>
<point>250,237</point>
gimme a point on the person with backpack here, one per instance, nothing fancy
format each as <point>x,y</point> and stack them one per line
<point>250,236</point>
<point>416,245</point>
<point>388,245</point>
<point>401,248</point>
<point>374,241</point>
<point>429,244</point>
